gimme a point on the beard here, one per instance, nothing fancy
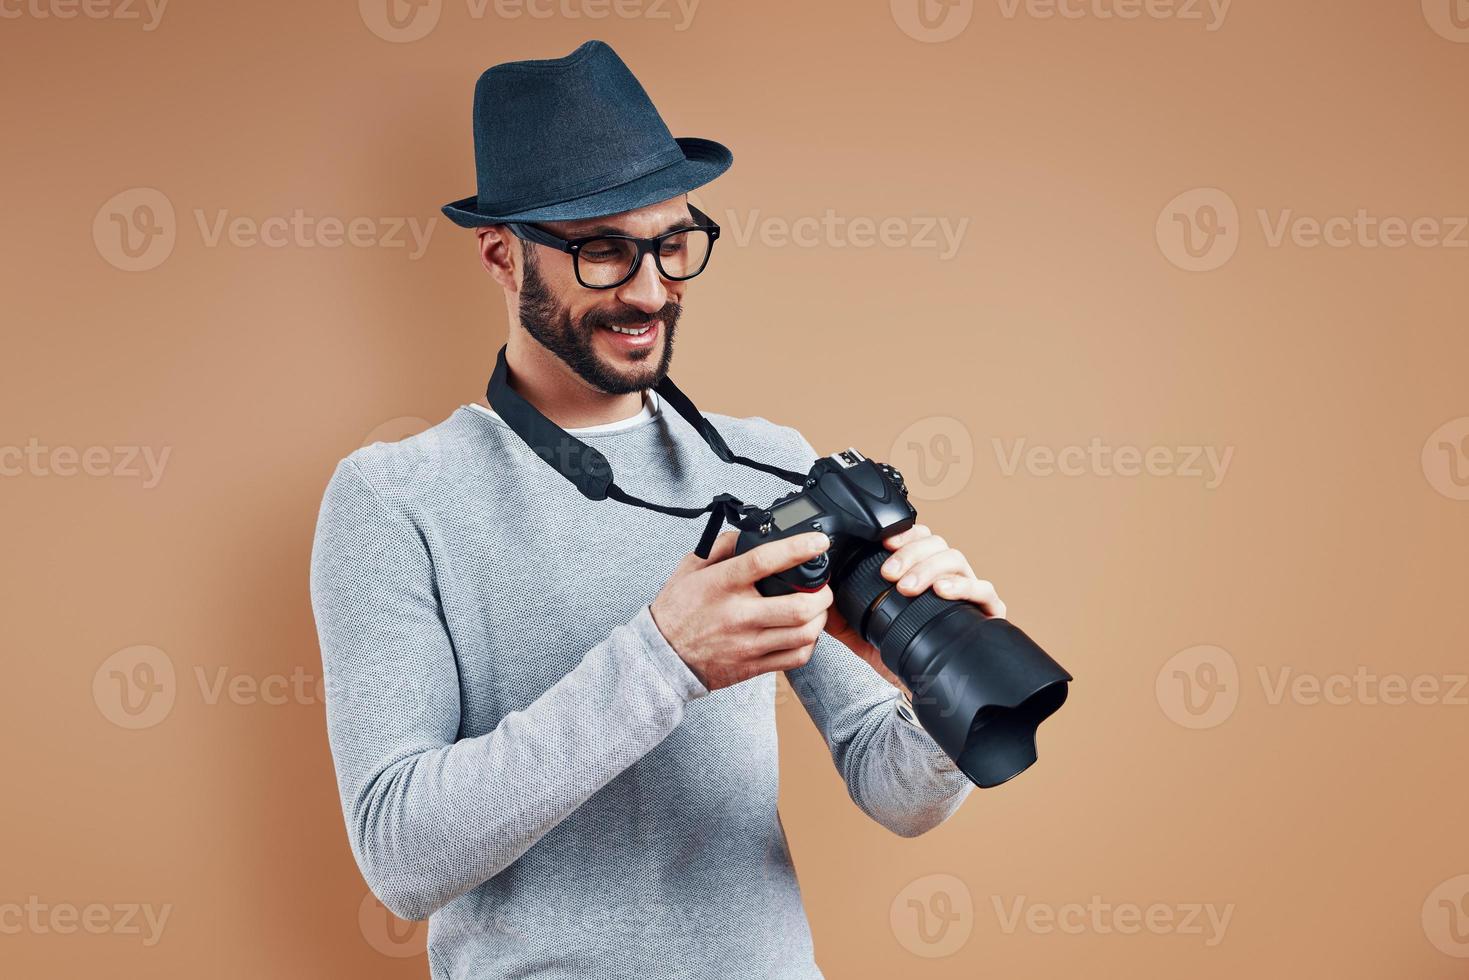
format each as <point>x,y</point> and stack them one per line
<point>550,324</point>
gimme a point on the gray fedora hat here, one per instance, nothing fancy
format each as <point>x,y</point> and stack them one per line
<point>575,137</point>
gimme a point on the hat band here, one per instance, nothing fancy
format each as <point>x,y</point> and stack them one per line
<point>626,174</point>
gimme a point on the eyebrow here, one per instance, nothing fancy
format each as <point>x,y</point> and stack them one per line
<point>612,230</point>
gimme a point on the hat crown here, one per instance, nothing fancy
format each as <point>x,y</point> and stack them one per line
<point>553,129</point>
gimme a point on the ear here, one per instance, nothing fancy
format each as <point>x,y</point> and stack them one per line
<point>498,255</point>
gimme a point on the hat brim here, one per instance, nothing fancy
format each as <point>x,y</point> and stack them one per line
<point>703,161</point>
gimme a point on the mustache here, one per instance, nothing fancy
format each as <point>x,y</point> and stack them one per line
<point>632,318</point>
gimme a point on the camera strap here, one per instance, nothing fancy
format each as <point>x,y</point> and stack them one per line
<point>589,471</point>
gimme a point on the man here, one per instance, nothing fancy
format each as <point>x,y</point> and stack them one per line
<point>553,727</point>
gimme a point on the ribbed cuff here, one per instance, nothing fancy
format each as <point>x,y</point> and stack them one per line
<point>670,666</point>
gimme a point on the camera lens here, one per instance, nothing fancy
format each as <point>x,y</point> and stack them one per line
<point>981,687</point>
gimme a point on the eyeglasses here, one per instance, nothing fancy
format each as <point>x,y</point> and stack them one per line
<point>608,261</point>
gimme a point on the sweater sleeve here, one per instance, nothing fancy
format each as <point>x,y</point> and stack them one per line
<point>429,815</point>
<point>894,770</point>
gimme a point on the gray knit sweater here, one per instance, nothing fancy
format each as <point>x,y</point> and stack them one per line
<point>524,759</point>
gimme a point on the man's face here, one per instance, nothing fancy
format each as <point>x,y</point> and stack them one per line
<point>576,323</point>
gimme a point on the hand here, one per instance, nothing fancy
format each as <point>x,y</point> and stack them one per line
<point>727,632</point>
<point>920,560</point>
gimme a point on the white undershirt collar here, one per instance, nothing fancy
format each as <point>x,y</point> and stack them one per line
<point>650,406</point>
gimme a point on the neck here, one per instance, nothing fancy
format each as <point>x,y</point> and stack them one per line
<point>545,381</point>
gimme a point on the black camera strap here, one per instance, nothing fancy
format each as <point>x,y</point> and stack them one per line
<point>589,471</point>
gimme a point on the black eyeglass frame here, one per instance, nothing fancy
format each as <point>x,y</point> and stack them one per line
<point>573,246</point>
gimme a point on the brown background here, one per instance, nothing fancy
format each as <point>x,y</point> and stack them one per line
<point>1335,832</point>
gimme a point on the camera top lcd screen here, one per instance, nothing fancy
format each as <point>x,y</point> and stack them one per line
<point>789,514</point>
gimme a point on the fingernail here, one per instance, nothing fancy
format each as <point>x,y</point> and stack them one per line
<point>908,582</point>
<point>891,567</point>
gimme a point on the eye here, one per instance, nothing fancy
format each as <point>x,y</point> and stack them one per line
<point>605,250</point>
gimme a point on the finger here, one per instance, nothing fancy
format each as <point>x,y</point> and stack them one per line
<point>790,610</point>
<point>789,637</point>
<point>911,554</point>
<point>791,659</point>
<point>775,556</point>
<point>970,589</point>
<point>903,537</point>
<point>722,548</point>
<point>919,577</point>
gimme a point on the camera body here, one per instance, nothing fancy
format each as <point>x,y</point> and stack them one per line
<point>854,500</point>
<point>980,685</point>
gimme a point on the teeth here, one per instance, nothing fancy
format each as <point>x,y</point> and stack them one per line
<point>628,330</point>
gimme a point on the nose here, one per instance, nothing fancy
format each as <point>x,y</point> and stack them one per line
<point>645,290</point>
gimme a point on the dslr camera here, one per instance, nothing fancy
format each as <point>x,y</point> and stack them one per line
<point>980,686</point>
